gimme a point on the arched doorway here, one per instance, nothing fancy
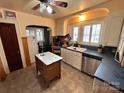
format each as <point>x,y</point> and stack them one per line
<point>39,40</point>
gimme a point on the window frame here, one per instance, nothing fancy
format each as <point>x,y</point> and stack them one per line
<point>70,30</point>
<point>34,30</point>
<point>89,35</point>
<point>91,43</point>
<point>77,33</point>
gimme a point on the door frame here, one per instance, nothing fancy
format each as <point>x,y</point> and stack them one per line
<point>2,53</point>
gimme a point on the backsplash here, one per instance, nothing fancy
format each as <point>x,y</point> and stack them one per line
<point>106,49</point>
<point>89,47</point>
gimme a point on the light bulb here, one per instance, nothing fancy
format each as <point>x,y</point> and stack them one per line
<point>81,17</point>
<point>49,9</point>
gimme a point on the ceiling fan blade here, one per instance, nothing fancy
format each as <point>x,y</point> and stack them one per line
<point>61,4</point>
<point>44,1</point>
<point>36,7</point>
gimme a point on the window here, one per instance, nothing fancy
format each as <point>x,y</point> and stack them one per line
<point>75,33</point>
<point>39,35</point>
<point>95,36</point>
<point>91,33</point>
<point>86,36</point>
<point>30,32</point>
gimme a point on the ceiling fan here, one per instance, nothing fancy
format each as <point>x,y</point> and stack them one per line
<point>48,5</point>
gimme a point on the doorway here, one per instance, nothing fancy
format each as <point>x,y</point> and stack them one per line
<point>11,47</point>
<point>38,40</point>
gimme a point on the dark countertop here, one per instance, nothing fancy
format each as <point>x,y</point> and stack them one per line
<point>109,70</point>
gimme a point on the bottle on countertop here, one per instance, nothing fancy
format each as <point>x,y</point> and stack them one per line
<point>75,44</point>
<point>100,48</point>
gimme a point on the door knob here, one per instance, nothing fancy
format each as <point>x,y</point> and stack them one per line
<point>18,51</point>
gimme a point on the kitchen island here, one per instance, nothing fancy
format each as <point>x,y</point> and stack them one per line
<point>48,65</point>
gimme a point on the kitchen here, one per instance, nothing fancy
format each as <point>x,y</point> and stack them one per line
<point>79,52</point>
<point>105,66</point>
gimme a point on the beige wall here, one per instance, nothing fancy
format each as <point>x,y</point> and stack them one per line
<point>21,22</point>
<point>27,19</point>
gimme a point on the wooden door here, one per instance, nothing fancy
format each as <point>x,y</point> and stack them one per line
<point>11,47</point>
<point>2,72</point>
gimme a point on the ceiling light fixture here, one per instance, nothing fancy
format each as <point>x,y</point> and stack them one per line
<point>82,17</point>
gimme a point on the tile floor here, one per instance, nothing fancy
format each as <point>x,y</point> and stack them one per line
<point>25,81</point>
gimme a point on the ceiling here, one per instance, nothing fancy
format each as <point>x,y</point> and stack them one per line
<point>27,5</point>
<point>89,15</point>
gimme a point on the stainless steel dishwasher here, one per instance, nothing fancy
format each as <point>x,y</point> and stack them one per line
<point>90,65</point>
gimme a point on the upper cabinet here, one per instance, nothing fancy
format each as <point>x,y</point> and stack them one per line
<point>113,30</point>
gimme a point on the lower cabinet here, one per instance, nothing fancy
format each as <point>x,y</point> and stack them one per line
<point>102,87</point>
<point>72,57</point>
<point>122,63</point>
<point>90,65</point>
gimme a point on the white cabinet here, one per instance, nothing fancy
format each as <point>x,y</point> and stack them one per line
<point>72,57</point>
<point>90,65</point>
<point>113,30</point>
<point>102,87</point>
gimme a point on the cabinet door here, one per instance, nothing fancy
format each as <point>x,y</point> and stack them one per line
<point>63,54</point>
<point>77,60</point>
<point>102,87</point>
<point>72,58</point>
<point>113,30</point>
<point>68,56</point>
